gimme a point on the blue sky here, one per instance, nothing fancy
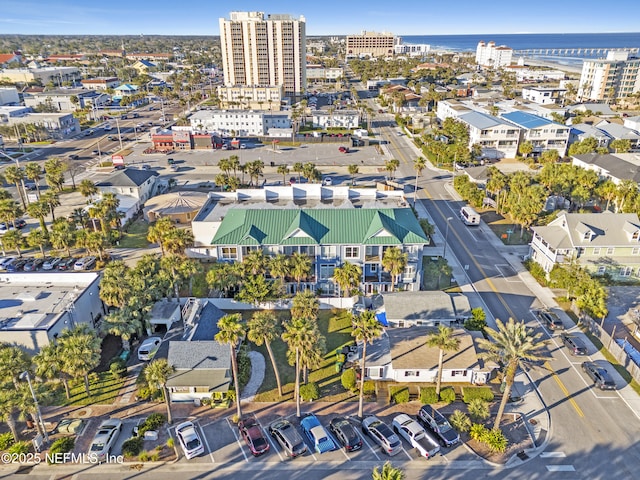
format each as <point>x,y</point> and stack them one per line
<point>408,17</point>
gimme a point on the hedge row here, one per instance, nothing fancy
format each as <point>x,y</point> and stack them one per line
<point>482,393</point>
<point>399,394</point>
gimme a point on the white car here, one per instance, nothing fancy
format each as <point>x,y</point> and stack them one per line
<point>148,348</point>
<point>327,181</point>
<point>85,263</point>
<point>189,440</point>
<point>105,438</point>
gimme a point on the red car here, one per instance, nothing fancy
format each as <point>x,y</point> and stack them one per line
<point>343,149</point>
<point>253,436</point>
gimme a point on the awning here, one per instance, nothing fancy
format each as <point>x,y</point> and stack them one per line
<point>382,318</point>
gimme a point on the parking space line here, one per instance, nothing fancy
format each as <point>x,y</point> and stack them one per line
<point>370,448</point>
<point>267,435</point>
<point>233,430</point>
<point>207,443</point>
<point>407,454</point>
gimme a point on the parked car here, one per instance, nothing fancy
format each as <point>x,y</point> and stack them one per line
<point>66,263</point>
<point>346,434</point>
<point>599,375</point>
<point>5,262</point>
<point>343,149</point>
<point>328,181</point>
<point>95,152</point>
<point>146,166</point>
<point>73,156</point>
<point>316,433</point>
<point>575,344</point>
<point>105,438</point>
<point>20,223</point>
<point>33,265</point>
<point>418,438</point>
<point>551,320</point>
<point>5,227</point>
<point>17,265</point>
<point>189,440</point>
<point>252,434</point>
<point>148,348</point>
<point>288,437</point>
<point>382,435</point>
<point>433,420</point>
<point>85,263</point>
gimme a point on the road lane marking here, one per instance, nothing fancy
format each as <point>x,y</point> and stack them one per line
<point>272,442</point>
<point>560,468</point>
<point>370,447</point>
<point>563,388</point>
<point>552,455</point>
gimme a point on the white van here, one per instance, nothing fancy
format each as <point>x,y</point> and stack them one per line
<point>469,216</point>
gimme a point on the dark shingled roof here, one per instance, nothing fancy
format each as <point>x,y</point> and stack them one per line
<point>129,177</point>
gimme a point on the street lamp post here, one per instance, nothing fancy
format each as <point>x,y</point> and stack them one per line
<point>446,237</point>
<point>24,375</point>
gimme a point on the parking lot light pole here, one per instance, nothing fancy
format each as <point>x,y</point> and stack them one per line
<point>24,375</point>
<point>446,237</point>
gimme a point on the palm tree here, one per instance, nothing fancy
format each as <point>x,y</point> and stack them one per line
<point>231,332</point>
<point>305,304</point>
<point>263,328</point>
<point>13,240</point>
<point>419,164</point>
<point>394,261</point>
<point>388,472</point>
<point>391,166</point>
<point>52,200</point>
<point>156,374</point>
<point>348,277</point>
<point>10,210</point>
<point>114,286</point>
<point>283,170</point>
<point>366,329</point>
<point>158,231</point>
<point>88,189</point>
<point>353,171</point>
<point>300,267</point>
<point>298,335</point>
<point>513,344</point>
<point>8,410</point>
<point>13,361</point>
<point>49,365</point>
<point>255,262</point>
<point>36,238</point>
<point>15,175</point>
<point>80,352</point>
<point>39,210</point>
<point>446,342</point>
<point>298,168</point>
<point>33,171</point>
<point>177,240</point>
<point>62,235</point>
<point>280,267</point>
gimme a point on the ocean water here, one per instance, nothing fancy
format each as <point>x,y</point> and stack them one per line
<point>460,43</point>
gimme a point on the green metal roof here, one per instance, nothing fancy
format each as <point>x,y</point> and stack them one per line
<point>326,226</point>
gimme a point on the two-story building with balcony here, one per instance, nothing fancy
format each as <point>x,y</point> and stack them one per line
<point>498,138</point>
<point>543,133</point>
<point>329,224</point>
<point>602,243</point>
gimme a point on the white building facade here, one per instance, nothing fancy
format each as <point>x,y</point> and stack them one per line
<point>238,122</point>
<point>488,55</point>
<point>615,77</point>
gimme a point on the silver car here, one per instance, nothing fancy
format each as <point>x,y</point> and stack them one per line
<point>105,438</point>
<point>382,435</point>
<point>189,440</point>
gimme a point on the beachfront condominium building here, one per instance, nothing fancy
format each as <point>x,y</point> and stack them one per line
<point>488,55</point>
<point>259,50</point>
<point>370,44</point>
<point>615,77</point>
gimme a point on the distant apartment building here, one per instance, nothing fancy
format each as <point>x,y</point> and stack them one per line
<point>102,83</point>
<point>544,134</point>
<point>259,50</point>
<point>42,75</point>
<point>526,74</point>
<point>58,125</point>
<point>337,119</point>
<point>488,55</point>
<point>238,122</point>
<point>543,95</point>
<point>497,137</point>
<point>318,73</point>
<point>64,100</point>
<point>252,97</point>
<point>410,49</point>
<point>608,79</point>
<point>370,44</point>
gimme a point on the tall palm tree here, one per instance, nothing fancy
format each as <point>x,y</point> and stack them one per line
<point>305,304</point>
<point>14,174</point>
<point>156,374</point>
<point>9,398</point>
<point>446,342</point>
<point>263,328</point>
<point>280,267</point>
<point>394,261</point>
<point>231,332</point>
<point>13,240</point>
<point>255,262</point>
<point>419,164</point>
<point>80,352</point>
<point>13,361</point>
<point>49,365</point>
<point>297,167</point>
<point>88,189</point>
<point>388,472</point>
<point>10,210</point>
<point>39,210</point>
<point>114,285</point>
<point>299,334</point>
<point>513,344</point>
<point>348,277</point>
<point>62,235</point>
<point>283,170</point>
<point>300,267</point>
<point>33,171</point>
<point>177,240</point>
<point>366,329</point>
<point>36,238</point>
<point>158,232</point>
<point>123,325</point>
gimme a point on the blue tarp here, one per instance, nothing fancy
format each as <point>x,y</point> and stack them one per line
<point>628,348</point>
<point>382,318</point>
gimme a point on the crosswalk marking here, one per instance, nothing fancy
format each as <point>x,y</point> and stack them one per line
<point>560,468</point>
<point>552,455</point>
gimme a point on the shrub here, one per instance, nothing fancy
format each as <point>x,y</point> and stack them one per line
<point>536,271</point>
<point>20,447</point>
<point>428,395</point>
<point>478,409</point>
<point>348,379</point>
<point>143,393</point>
<point>205,401</point>
<point>447,395</point>
<point>155,456</point>
<point>310,391</point>
<point>477,321</point>
<point>155,421</point>
<point>231,394</point>
<point>133,446</point>
<point>6,440</point>
<point>495,440</point>
<point>118,368</point>
<point>171,442</point>
<point>483,393</point>
<point>144,457</point>
<point>460,421</point>
<point>477,431</point>
<point>399,394</point>
<point>62,445</point>
<point>369,387</point>
<point>244,366</point>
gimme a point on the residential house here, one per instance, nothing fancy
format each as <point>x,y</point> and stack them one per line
<point>180,207</point>
<point>543,95</point>
<point>526,74</point>
<point>9,96</point>
<point>143,66</point>
<point>58,125</point>
<point>620,132</point>
<point>599,109</point>
<point>544,134</point>
<point>633,123</point>
<point>101,83</point>
<point>451,108</point>
<point>408,309</point>
<point>614,167</point>
<point>133,188</point>
<point>320,73</point>
<point>603,243</point>
<point>337,119</point>
<point>497,137</point>
<point>35,308</point>
<point>67,99</point>
<point>402,355</point>
<point>330,224</point>
<point>9,58</point>
<point>582,131</point>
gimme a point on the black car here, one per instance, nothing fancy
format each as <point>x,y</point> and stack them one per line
<point>346,434</point>
<point>551,320</point>
<point>67,263</point>
<point>433,420</point>
<point>288,438</point>
<point>574,344</point>
<point>599,375</point>
<point>20,223</point>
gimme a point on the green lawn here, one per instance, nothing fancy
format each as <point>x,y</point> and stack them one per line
<point>103,386</point>
<point>136,235</point>
<point>335,325</point>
